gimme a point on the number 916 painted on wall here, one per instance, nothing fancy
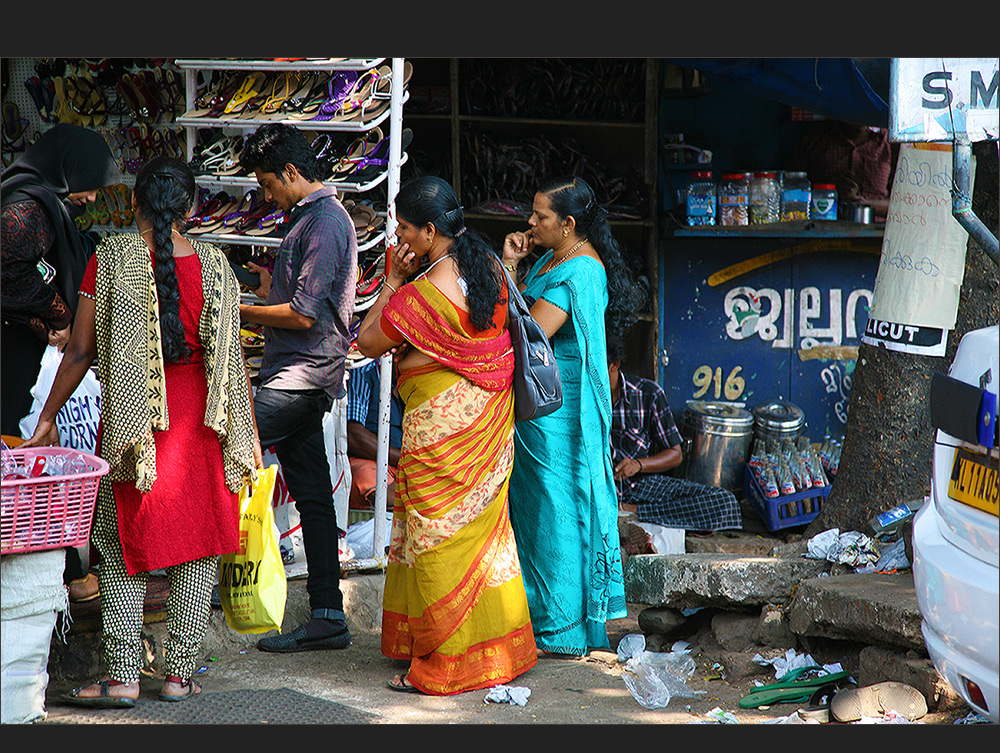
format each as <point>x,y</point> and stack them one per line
<point>705,378</point>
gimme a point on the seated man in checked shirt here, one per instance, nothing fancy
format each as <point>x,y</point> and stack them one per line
<point>645,445</point>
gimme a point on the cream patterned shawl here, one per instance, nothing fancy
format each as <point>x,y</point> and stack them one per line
<point>130,362</point>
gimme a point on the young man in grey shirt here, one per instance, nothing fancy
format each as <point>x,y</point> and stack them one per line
<point>309,301</point>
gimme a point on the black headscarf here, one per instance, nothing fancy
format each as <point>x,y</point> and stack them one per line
<point>64,160</point>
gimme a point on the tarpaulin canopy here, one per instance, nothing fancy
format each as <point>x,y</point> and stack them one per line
<point>833,87</point>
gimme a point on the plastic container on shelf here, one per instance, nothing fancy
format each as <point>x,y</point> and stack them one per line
<point>824,202</point>
<point>796,196</point>
<point>765,198</point>
<point>700,199</point>
<point>734,199</point>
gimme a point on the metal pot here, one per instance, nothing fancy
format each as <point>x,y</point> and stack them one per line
<point>778,420</point>
<point>717,440</point>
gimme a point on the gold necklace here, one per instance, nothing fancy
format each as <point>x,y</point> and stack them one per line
<point>572,251</point>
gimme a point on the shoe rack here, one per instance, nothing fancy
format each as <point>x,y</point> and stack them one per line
<point>131,102</point>
<point>495,128</point>
<point>268,99</point>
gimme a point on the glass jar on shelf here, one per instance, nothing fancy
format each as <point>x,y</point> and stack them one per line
<point>734,199</point>
<point>765,198</point>
<point>796,195</point>
<point>824,202</point>
<point>700,199</point>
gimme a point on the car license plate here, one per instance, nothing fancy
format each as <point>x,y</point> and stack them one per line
<point>974,481</point>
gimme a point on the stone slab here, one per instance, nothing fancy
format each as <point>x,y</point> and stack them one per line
<point>874,608</point>
<point>685,581</point>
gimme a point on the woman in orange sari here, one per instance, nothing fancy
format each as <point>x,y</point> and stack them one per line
<point>454,604</point>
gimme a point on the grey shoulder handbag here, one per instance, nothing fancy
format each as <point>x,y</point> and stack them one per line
<point>537,387</point>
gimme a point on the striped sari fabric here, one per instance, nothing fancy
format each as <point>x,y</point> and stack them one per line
<point>454,602</point>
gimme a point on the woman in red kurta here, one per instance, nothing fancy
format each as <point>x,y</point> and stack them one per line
<point>160,314</point>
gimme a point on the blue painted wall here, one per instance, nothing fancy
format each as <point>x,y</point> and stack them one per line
<point>744,336</point>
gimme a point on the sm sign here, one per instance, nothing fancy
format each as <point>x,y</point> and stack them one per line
<point>936,99</point>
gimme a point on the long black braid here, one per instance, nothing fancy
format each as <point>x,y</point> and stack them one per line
<point>430,199</point>
<point>164,191</point>
<point>572,196</point>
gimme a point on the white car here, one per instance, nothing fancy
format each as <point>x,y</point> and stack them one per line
<point>955,533</point>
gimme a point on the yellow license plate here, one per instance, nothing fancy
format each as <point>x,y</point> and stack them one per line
<point>974,481</point>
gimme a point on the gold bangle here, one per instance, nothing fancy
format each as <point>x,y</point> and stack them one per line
<point>386,283</point>
<point>511,268</point>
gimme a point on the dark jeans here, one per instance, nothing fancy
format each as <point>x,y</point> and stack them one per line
<point>292,423</point>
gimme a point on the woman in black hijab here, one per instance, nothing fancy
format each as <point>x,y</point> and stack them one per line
<point>42,192</point>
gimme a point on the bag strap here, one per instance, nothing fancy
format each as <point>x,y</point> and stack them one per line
<point>515,301</point>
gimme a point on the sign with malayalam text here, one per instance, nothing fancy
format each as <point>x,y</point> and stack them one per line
<point>922,264</point>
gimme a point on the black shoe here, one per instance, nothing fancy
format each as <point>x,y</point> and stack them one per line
<point>287,643</point>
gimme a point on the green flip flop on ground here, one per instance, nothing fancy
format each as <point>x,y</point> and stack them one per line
<point>792,688</point>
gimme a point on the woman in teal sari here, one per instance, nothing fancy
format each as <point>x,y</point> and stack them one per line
<point>563,503</point>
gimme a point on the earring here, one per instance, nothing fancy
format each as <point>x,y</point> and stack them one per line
<point>565,232</point>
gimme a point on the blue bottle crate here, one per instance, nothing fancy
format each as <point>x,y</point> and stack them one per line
<point>786,511</point>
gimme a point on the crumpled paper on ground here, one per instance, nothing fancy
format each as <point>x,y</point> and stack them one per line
<point>791,661</point>
<point>508,694</point>
<point>892,557</point>
<point>848,548</point>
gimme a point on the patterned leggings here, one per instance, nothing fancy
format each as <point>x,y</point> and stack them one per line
<point>123,595</point>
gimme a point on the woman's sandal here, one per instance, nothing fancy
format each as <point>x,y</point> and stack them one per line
<point>360,148</point>
<point>103,701</point>
<point>403,686</point>
<point>191,689</point>
<point>250,88</point>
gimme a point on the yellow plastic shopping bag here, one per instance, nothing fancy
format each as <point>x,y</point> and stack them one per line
<point>252,585</point>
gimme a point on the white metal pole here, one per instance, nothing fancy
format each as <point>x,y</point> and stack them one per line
<point>385,362</point>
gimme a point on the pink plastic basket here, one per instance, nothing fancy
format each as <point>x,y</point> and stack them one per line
<point>49,512</point>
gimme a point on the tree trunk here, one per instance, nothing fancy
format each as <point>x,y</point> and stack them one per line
<point>888,439</point>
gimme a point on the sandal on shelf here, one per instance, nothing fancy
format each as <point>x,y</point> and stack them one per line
<point>43,95</point>
<point>64,92</point>
<point>372,230</point>
<point>285,85</point>
<point>103,701</point>
<point>373,164</point>
<point>338,88</point>
<point>305,106</point>
<point>260,220</point>
<point>191,688</point>
<point>299,98</point>
<point>230,164</point>
<point>247,205</point>
<point>210,214</point>
<point>94,106</point>
<point>266,90</point>
<point>383,85</point>
<point>361,147</point>
<point>358,99</point>
<point>249,89</point>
